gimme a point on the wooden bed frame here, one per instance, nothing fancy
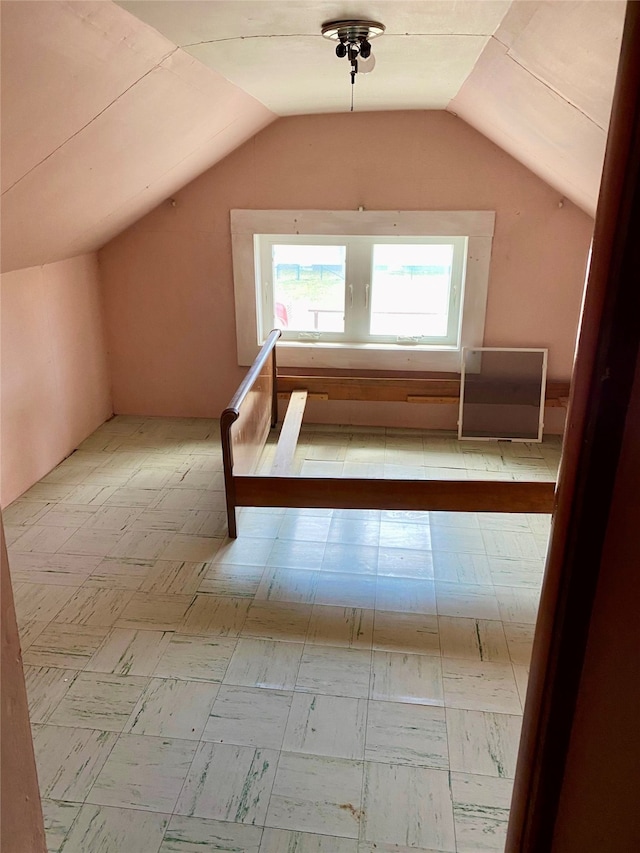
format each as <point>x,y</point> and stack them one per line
<point>253,411</point>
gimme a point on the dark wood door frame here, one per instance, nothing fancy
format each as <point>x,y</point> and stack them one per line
<point>605,362</point>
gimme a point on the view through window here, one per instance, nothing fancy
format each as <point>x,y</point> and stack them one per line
<point>363,289</point>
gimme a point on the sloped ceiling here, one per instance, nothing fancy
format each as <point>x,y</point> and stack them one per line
<point>110,108</point>
<point>102,119</point>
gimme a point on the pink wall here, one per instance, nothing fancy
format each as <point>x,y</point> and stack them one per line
<point>168,279</point>
<point>55,382</point>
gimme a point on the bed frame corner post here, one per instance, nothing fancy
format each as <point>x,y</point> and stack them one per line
<point>228,417</point>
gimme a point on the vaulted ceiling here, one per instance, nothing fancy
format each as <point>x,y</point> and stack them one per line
<point>109,108</point>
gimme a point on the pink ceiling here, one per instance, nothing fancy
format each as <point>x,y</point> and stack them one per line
<point>102,119</point>
<point>543,87</point>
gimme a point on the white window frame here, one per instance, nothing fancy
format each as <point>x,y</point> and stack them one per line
<point>477,226</point>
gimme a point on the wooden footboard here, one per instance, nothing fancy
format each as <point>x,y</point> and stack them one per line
<point>245,423</point>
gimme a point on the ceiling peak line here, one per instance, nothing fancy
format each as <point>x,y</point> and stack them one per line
<point>548,86</point>
<point>158,64</point>
<point>309,35</point>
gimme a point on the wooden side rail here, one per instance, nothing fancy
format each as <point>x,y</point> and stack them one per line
<point>388,389</point>
<point>288,440</point>
<point>245,423</point>
<point>438,495</point>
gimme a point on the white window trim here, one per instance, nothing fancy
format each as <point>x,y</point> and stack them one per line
<point>478,226</point>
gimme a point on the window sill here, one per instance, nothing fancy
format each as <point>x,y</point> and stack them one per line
<point>368,356</point>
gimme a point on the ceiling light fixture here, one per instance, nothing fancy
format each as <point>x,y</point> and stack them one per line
<point>354,42</point>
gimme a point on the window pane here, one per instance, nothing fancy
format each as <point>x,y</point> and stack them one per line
<point>308,288</point>
<point>410,289</point>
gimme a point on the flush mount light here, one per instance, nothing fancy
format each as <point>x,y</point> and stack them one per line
<point>354,42</point>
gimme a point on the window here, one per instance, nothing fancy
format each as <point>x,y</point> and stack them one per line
<point>362,289</point>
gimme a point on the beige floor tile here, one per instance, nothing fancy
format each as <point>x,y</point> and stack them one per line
<point>205,522</point>
<point>397,534</point>
<point>405,595</point>
<point>453,519</point>
<point>475,602</point>
<point>264,663</point>
<point>510,572</point>
<point>175,499</point>
<point>379,847</point>
<point>249,551</point>
<point>352,531</point>
<point>155,611</point>
<point>481,812</point>
<point>350,627</point>
<point>173,709</point>
<point>473,639</point>
<point>229,782</point>
<point>521,674</point>
<point>460,540</point>
<point>398,677</point>
<point>356,559</point>
<point>326,725</point>
<point>143,772</point>
<point>95,606</point>
<point>129,652</point>
<point>519,641</point>
<point>288,554</point>
<point>406,632</point>
<point>12,533</point>
<point>46,687</point>
<point>114,518</point>
<point>29,633</point>
<point>277,620</point>
<point>97,543</point>
<point>99,701</point>
<point>37,602</point>
<point>173,576</point>
<point>518,604</point>
<point>511,545</point>
<point>43,540</point>
<point>195,834</point>
<point>248,716</point>
<point>193,549</point>
<point>480,686</point>
<point>112,830</point>
<point>67,515</point>
<point>125,496</point>
<point>304,528</point>
<point>211,615</point>
<point>142,544</point>
<point>238,581</point>
<point>58,817</point>
<point>69,760</point>
<point>169,520</point>
<point>461,568</point>
<point>317,794</point>
<point>346,590</point>
<point>405,563</point>
<point>26,512</point>
<point>483,743</point>
<point>61,645</point>
<point>429,821</point>
<point>119,573</point>
<point>195,658</point>
<point>294,585</point>
<point>59,569</point>
<point>286,841</point>
<point>94,494</point>
<point>335,671</point>
<point>415,735</point>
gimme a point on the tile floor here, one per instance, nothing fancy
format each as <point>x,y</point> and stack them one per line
<point>330,682</point>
